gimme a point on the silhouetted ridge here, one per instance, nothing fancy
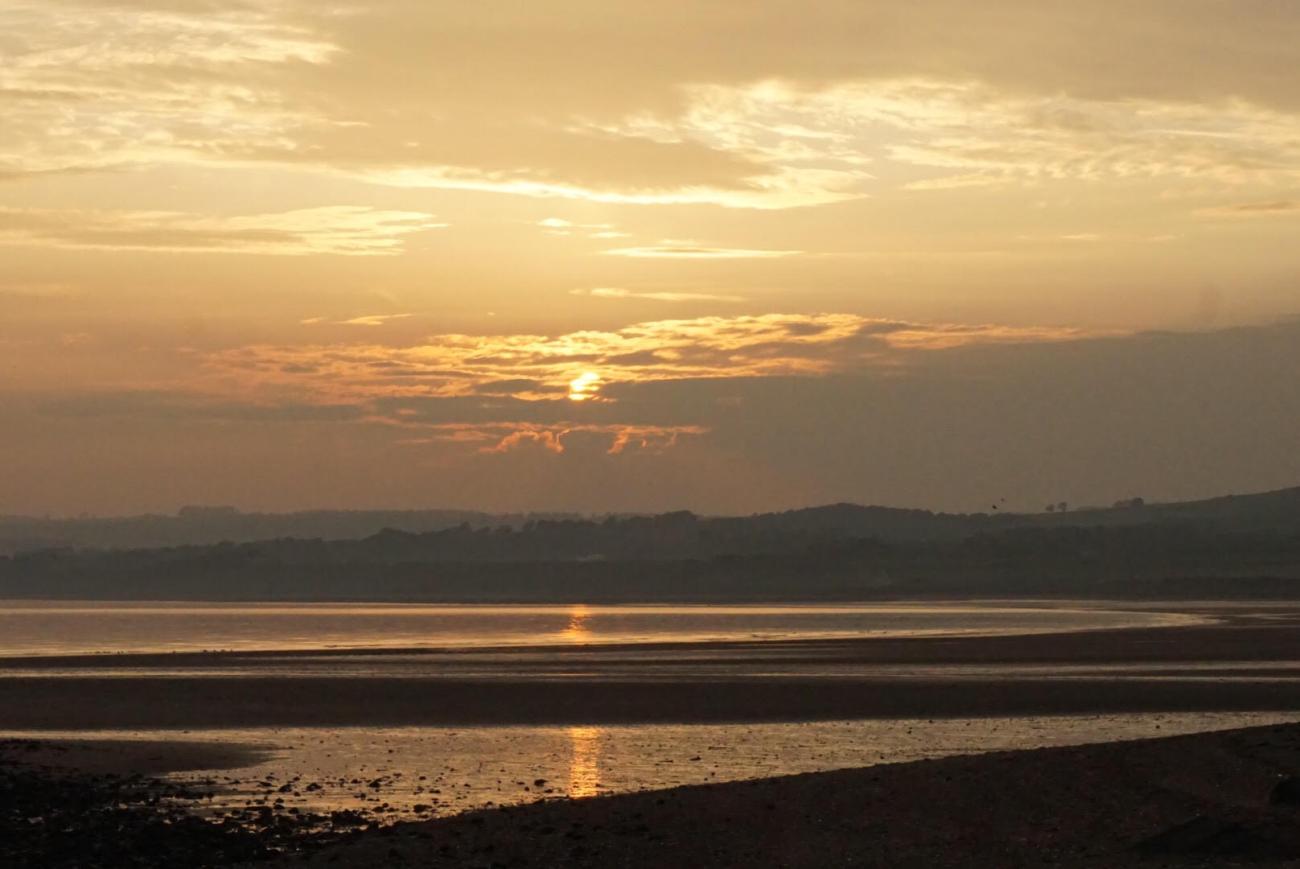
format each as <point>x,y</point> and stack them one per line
<point>1222,546</point>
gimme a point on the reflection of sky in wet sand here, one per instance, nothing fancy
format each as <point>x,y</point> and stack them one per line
<point>584,771</point>
<point>450,770</point>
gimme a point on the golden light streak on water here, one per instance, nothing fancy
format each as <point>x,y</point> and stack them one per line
<point>576,631</point>
<point>584,769</point>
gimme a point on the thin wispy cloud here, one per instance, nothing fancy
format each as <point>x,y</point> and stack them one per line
<point>558,226</point>
<point>373,319</point>
<point>691,250</point>
<point>654,295</point>
<point>333,230</point>
<point>821,121</point>
<point>1267,208</point>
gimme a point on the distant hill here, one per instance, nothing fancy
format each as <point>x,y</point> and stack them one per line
<point>205,525</point>
<point>1217,547</point>
<point>197,526</point>
<point>1278,510</point>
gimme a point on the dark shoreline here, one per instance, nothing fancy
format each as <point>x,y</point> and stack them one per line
<point>96,805</point>
<point>1229,589</point>
<point>128,757</point>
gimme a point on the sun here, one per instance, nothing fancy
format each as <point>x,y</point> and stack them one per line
<point>584,386</point>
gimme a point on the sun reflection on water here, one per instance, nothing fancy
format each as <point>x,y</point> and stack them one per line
<point>584,771</point>
<point>576,631</point>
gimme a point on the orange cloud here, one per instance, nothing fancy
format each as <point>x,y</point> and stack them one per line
<point>495,394</point>
<point>547,439</point>
<point>499,438</point>
<point>541,367</point>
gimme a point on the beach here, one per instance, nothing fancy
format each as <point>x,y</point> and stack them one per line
<point>887,750</point>
<point>1229,798</point>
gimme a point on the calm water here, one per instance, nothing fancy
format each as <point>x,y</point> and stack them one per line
<point>41,628</point>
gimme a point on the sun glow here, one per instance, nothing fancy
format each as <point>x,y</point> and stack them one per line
<point>584,386</point>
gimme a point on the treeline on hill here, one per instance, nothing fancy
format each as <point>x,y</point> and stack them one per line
<point>195,526</point>
<point>1248,545</point>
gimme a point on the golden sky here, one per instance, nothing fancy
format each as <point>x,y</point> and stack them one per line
<point>620,255</point>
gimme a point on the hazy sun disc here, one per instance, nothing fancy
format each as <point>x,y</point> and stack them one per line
<point>584,386</point>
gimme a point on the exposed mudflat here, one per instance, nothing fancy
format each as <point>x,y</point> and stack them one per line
<point>1214,799</point>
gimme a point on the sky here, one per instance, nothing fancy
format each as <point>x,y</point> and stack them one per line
<point>592,256</point>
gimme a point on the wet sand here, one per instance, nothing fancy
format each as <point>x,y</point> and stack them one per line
<point>1243,653</point>
<point>1203,800</point>
<point>90,704</point>
<point>1216,799</point>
